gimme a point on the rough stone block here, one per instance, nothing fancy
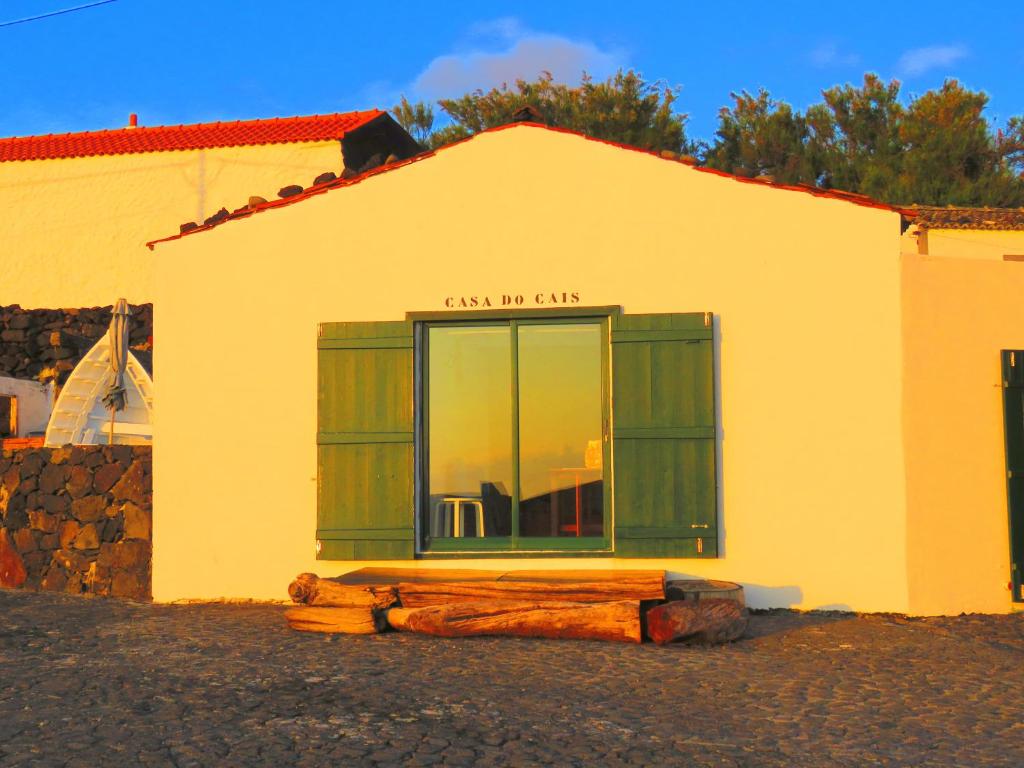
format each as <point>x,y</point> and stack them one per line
<point>132,486</point>
<point>122,454</point>
<point>89,509</point>
<point>125,554</point>
<point>24,540</point>
<point>52,478</point>
<point>55,504</point>
<point>111,529</point>
<point>106,476</point>
<point>60,456</point>
<point>39,520</point>
<point>54,581</point>
<point>68,532</point>
<point>138,522</point>
<point>79,481</point>
<point>31,465</point>
<point>87,538</point>
<point>130,584</point>
<point>35,563</point>
<point>72,561</point>
<point>12,479</point>
<point>16,516</point>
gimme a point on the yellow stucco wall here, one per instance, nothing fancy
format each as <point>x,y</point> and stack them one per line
<point>807,291</point>
<point>72,231</point>
<point>975,243</point>
<point>958,313</point>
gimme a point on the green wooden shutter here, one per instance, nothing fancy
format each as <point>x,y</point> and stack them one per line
<point>663,425</point>
<point>365,441</point>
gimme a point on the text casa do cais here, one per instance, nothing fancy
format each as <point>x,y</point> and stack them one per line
<point>542,299</point>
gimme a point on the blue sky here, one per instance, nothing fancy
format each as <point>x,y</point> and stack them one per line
<point>199,60</point>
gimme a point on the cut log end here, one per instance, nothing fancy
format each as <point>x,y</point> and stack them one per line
<point>709,621</point>
<point>300,589</point>
<point>347,620</point>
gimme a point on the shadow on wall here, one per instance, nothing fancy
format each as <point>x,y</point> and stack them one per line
<point>762,596</point>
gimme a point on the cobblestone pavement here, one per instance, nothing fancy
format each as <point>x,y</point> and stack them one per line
<point>103,683</point>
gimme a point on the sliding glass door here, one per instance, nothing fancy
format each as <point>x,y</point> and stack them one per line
<point>516,440</point>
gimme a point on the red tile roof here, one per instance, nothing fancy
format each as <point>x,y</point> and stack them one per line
<point>933,217</point>
<point>164,138</point>
<point>317,189</point>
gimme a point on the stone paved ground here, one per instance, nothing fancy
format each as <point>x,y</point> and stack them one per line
<point>102,683</point>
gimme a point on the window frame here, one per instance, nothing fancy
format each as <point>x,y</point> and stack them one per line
<point>514,545</point>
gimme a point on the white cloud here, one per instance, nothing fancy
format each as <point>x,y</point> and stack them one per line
<point>920,60</point>
<point>829,55</point>
<point>502,51</point>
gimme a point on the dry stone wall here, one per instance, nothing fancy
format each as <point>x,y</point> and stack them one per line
<point>77,519</point>
<point>46,344</point>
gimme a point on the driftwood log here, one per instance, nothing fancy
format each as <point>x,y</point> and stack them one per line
<point>711,620</point>
<point>310,589</point>
<point>415,595</point>
<point>349,620</point>
<point>703,589</point>
<point>617,621</point>
<point>383,576</point>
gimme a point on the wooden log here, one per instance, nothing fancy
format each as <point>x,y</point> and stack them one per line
<point>418,595</point>
<point>711,620</point>
<point>350,620</point>
<point>617,621</point>
<point>377,576</point>
<point>310,589</point>
<point>703,589</point>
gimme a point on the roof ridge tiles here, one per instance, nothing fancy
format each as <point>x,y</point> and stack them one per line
<point>184,136</point>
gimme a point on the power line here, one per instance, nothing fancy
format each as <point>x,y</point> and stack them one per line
<point>55,13</point>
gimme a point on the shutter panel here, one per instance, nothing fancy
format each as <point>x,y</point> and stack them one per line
<point>365,441</point>
<point>663,411</point>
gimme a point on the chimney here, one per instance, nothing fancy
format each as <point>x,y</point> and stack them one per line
<point>527,114</point>
<point>133,120</point>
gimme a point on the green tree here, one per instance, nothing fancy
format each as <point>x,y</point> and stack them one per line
<point>951,155</point>
<point>759,136</point>
<point>938,149</point>
<point>856,136</point>
<point>417,119</point>
<point>624,108</point>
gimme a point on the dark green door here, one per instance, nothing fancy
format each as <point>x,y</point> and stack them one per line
<point>1013,414</point>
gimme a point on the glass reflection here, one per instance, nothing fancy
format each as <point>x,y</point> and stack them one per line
<point>560,448</point>
<point>469,393</point>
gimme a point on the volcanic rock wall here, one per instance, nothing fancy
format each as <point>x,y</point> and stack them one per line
<point>77,519</point>
<point>46,344</point>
